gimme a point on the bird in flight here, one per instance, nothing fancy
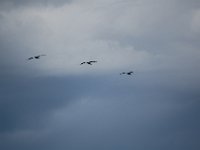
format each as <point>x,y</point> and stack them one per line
<point>88,62</point>
<point>36,57</point>
<point>127,73</point>
<point>30,58</point>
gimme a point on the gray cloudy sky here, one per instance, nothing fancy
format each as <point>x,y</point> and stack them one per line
<point>55,104</point>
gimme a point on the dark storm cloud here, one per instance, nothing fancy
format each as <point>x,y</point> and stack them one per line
<point>26,103</point>
<point>95,112</point>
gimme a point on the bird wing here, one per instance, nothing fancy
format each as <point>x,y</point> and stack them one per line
<point>37,57</point>
<point>129,73</point>
<point>89,63</point>
<point>82,63</point>
<point>93,61</point>
<point>30,58</point>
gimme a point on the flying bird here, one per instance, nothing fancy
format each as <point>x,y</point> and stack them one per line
<point>122,73</point>
<point>127,73</point>
<point>36,57</point>
<point>83,63</point>
<point>88,62</point>
<point>30,58</point>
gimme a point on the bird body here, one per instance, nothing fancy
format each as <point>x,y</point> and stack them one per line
<point>30,58</point>
<point>122,73</point>
<point>36,57</point>
<point>127,73</point>
<point>83,63</point>
<point>88,62</point>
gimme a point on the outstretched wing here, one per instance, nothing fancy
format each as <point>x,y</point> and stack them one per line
<point>30,58</point>
<point>89,63</point>
<point>129,73</point>
<point>37,57</point>
<point>92,61</point>
<point>82,63</point>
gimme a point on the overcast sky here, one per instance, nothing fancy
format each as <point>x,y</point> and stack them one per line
<point>54,103</point>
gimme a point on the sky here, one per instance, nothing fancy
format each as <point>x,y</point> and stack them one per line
<point>54,103</point>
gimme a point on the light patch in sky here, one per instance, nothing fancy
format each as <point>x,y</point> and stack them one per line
<point>68,36</point>
<point>196,22</point>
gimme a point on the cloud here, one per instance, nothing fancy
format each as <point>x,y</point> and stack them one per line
<point>54,103</point>
<point>84,112</point>
<point>119,36</point>
<point>65,38</point>
<point>131,34</point>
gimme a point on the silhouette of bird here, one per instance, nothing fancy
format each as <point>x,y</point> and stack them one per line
<point>36,57</point>
<point>83,63</point>
<point>122,73</point>
<point>88,62</point>
<point>127,73</point>
<point>30,58</point>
